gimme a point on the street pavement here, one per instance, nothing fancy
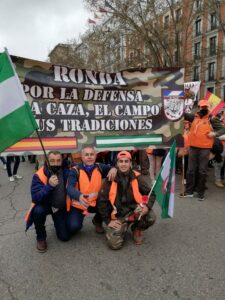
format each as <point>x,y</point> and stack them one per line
<point>182,258</point>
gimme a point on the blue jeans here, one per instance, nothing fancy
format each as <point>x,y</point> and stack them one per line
<point>75,218</point>
<point>66,223</point>
<point>59,218</point>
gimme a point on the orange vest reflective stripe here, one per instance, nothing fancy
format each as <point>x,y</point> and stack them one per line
<point>198,133</point>
<point>44,179</point>
<point>87,187</point>
<point>113,192</point>
<point>40,173</point>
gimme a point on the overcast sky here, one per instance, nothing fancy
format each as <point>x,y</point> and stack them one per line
<point>31,28</point>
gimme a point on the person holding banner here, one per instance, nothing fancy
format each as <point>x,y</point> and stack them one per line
<point>84,184</point>
<point>121,203</point>
<point>201,138</point>
<point>48,192</point>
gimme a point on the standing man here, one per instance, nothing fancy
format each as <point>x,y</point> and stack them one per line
<point>48,192</point>
<point>84,184</point>
<point>121,203</point>
<point>201,138</point>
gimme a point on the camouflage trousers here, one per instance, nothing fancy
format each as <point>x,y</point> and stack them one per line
<point>115,238</point>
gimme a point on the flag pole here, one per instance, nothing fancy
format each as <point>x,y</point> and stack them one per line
<point>182,181</point>
<point>20,86</point>
<point>45,154</point>
<point>152,187</point>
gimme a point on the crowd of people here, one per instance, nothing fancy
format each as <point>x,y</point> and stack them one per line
<point>115,186</point>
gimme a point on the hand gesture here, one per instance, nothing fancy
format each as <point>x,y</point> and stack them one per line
<point>143,211</point>
<point>112,174</point>
<point>53,181</point>
<point>115,224</point>
<point>211,134</point>
<point>84,201</point>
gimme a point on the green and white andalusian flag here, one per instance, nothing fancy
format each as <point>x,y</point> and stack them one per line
<point>16,118</point>
<point>124,141</point>
<point>165,184</point>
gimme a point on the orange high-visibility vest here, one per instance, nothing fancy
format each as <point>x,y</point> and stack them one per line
<point>44,179</point>
<point>113,192</point>
<point>87,187</point>
<point>197,137</point>
<point>40,173</point>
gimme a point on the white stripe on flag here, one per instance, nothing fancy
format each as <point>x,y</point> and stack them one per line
<point>175,93</point>
<point>10,90</point>
<point>122,141</point>
<point>171,201</point>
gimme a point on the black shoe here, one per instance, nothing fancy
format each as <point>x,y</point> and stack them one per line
<point>201,198</point>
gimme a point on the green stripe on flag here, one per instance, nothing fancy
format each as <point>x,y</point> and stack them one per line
<point>6,70</point>
<point>120,141</point>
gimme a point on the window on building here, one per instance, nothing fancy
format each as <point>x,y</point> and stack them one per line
<point>198,27</point>
<point>166,21</point>
<point>197,50</point>
<point>213,21</point>
<point>210,89</point>
<point>198,5</point>
<point>223,68</point>
<point>212,45</point>
<point>196,73</point>
<point>178,14</point>
<point>211,70</point>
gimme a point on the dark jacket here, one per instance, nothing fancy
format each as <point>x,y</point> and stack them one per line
<point>124,202</point>
<point>41,193</point>
<point>74,176</point>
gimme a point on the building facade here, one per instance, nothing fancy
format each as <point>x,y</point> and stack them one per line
<point>191,34</point>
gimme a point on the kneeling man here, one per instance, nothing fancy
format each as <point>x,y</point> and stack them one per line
<point>121,203</point>
<point>48,191</point>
